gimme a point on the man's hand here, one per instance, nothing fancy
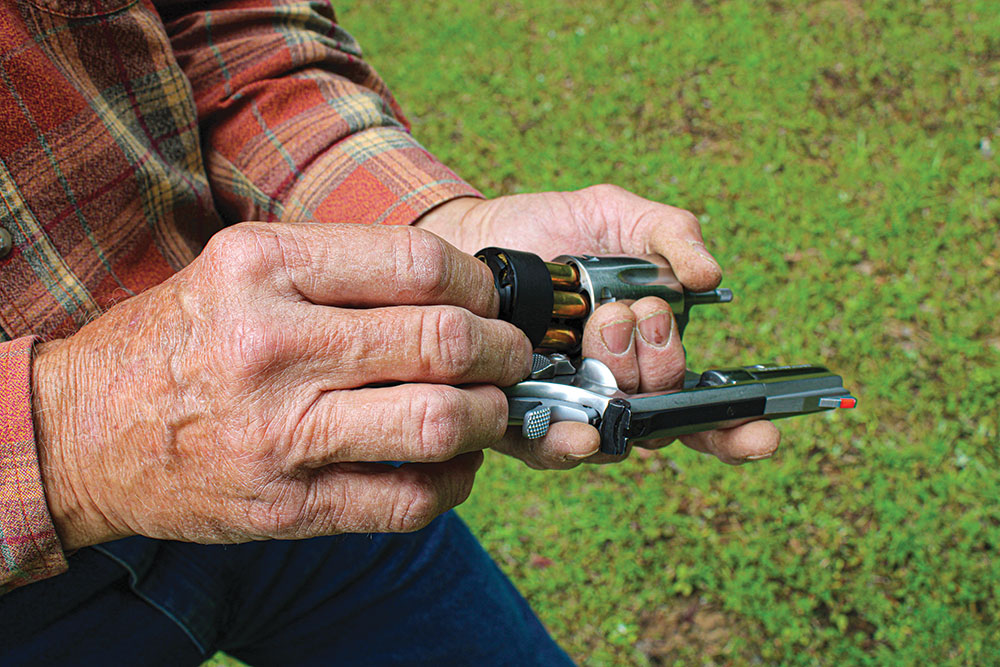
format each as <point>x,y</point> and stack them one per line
<point>225,404</point>
<point>639,341</point>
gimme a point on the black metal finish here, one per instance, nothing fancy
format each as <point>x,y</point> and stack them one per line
<point>696,410</point>
<point>615,426</point>
<point>525,289</point>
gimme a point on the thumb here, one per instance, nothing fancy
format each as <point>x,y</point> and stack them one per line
<point>646,227</point>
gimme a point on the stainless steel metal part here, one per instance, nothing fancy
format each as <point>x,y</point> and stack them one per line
<point>605,279</point>
<point>558,391</point>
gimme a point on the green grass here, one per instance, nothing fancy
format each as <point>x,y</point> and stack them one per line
<point>842,156</point>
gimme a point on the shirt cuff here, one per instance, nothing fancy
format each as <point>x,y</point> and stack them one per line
<point>29,547</point>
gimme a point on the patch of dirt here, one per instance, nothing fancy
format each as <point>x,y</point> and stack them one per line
<point>691,629</point>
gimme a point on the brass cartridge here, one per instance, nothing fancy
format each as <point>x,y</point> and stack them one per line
<point>569,305</point>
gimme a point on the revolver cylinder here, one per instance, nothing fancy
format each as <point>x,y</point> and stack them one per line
<point>606,279</point>
<point>551,301</point>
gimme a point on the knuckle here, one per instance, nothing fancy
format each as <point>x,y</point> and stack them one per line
<point>329,513</point>
<point>415,506</point>
<point>449,341</point>
<point>441,413</point>
<point>687,219</point>
<point>606,190</point>
<point>280,512</point>
<point>246,249</point>
<point>421,264</point>
<point>252,346</point>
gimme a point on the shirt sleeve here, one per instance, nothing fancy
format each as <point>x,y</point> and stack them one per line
<point>295,124</point>
<point>29,547</point>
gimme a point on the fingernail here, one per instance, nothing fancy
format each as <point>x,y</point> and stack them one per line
<point>617,336</point>
<point>758,457</point>
<point>580,457</point>
<point>699,248</point>
<point>656,328</point>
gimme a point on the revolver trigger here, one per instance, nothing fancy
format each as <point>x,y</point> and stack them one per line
<point>542,367</point>
<point>546,367</point>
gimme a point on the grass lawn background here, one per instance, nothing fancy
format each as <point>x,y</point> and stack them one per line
<point>843,158</point>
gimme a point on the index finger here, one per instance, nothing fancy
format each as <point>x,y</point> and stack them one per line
<point>362,266</point>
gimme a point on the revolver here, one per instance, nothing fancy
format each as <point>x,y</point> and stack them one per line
<point>550,302</point>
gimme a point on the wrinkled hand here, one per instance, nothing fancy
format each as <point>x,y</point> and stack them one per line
<point>639,341</point>
<point>224,404</point>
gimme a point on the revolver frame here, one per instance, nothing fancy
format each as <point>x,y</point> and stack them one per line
<point>559,391</point>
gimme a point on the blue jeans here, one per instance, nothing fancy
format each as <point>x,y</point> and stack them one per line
<point>433,597</point>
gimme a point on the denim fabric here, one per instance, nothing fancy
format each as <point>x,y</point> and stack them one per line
<point>433,597</point>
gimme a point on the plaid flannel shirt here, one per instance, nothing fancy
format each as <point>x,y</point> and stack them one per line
<point>130,132</point>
